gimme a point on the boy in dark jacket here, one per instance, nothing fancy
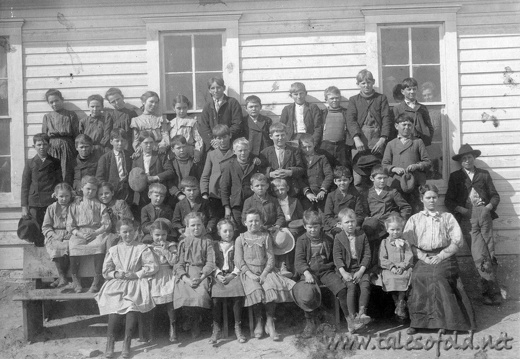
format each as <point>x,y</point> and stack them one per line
<point>256,126</point>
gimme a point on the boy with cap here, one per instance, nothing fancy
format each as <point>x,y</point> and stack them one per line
<point>472,198</point>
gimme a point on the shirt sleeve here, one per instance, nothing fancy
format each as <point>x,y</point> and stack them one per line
<point>455,236</point>
<point>149,264</point>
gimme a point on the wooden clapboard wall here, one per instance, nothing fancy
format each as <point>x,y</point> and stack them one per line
<point>84,48</point>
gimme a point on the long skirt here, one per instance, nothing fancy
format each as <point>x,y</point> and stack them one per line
<point>233,289</point>
<point>80,246</point>
<point>58,248</point>
<point>162,284</point>
<point>395,282</point>
<point>63,149</point>
<point>120,296</point>
<point>186,296</point>
<point>438,299</point>
<point>276,288</point>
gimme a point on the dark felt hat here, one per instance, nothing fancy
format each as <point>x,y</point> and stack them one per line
<point>407,182</point>
<point>28,229</point>
<point>137,179</point>
<point>307,295</point>
<point>363,163</point>
<point>373,228</point>
<point>464,150</point>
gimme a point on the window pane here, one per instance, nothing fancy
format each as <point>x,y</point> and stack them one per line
<point>201,83</point>
<point>439,121</point>
<point>391,77</point>
<point>208,52</point>
<point>5,174</point>
<point>394,46</point>
<point>177,53</point>
<point>4,109</point>
<point>429,79</point>
<point>175,85</point>
<point>5,143</point>
<point>3,62</point>
<point>425,45</point>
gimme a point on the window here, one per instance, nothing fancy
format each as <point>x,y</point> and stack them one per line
<point>189,60</point>
<point>419,48</point>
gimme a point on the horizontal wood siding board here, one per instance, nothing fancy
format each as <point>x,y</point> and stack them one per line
<point>84,36</point>
<point>284,39</point>
<point>494,78</point>
<point>101,45</point>
<point>79,69</point>
<point>486,54</point>
<point>315,60</point>
<point>86,58</point>
<point>347,84</point>
<point>509,113</point>
<point>77,95</point>
<point>489,90</point>
<point>296,74</point>
<point>489,42</point>
<point>477,126</point>
<point>298,27</point>
<point>488,66</point>
<point>303,50</point>
<point>477,138</point>
<point>79,82</point>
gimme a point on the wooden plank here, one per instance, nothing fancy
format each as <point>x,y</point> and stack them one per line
<point>502,173</point>
<point>303,50</point>
<point>482,79</point>
<point>11,258</point>
<point>53,294</point>
<point>7,225</point>
<point>509,113</point>
<point>86,70</point>
<point>486,55</point>
<point>84,36</point>
<point>492,150</point>
<point>506,137</point>
<point>509,210</point>
<point>66,82</point>
<point>86,58</point>
<point>344,84</point>
<point>302,26</point>
<point>101,45</point>
<point>472,67</point>
<point>32,319</point>
<point>259,40</point>
<point>490,42</point>
<point>299,74</point>
<point>488,127</point>
<point>491,90</point>
<point>303,61</point>
<point>488,102</point>
<point>494,29</point>
<point>81,94</point>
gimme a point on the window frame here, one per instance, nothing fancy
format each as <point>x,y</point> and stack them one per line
<point>225,22</point>
<point>412,15</point>
<point>12,28</point>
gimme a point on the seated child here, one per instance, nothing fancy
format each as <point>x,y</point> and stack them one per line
<point>256,126</point>
<point>254,257</point>
<point>227,283</point>
<point>162,282</point>
<point>302,117</point>
<point>406,155</point>
<point>396,261</point>
<point>335,131</point>
<point>55,232</point>
<point>472,198</point>
<point>192,203</point>
<point>345,196</point>
<point>235,183</point>
<point>122,114</point>
<point>127,269</point>
<point>314,262</point>
<point>183,166</point>
<point>155,209</point>
<point>186,126</point>
<point>210,179</point>
<point>319,175</point>
<point>88,222</point>
<point>195,265</point>
<point>351,254</point>
<point>97,125</point>
<point>291,207</point>
<point>117,209</point>
<point>40,177</point>
<point>283,161</point>
<point>268,205</point>
<point>86,160</point>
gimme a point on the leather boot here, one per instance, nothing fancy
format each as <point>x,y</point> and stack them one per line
<point>94,288</point>
<point>310,327</point>
<point>127,343</point>
<point>109,352</point>
<point>215,336</point>
<point>401,309</point>
<point>238,332</point>
<point>353,324</point>
<point>362,317</point>
<point>76,284</point>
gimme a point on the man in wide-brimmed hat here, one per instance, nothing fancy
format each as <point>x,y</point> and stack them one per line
<point>473,199</point>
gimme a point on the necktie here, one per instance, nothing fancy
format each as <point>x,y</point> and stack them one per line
<point>217,105</point>
<point>121,165</point>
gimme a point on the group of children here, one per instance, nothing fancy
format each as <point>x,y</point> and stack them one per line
<point>224,177</point>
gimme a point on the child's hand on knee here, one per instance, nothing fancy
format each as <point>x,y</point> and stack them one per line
<point>187,280</point>
<point>308,277</point>
<point>89,237</point>
<point>195,282</point>
<point>221,278</point>
<point>262,278</point>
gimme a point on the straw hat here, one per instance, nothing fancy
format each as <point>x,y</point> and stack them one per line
<point>137,179</point>
<point>283,242</point>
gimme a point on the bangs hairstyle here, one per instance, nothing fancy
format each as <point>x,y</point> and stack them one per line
<point>277,127</point>
<point>53,92</point>
<point>189,181</point>
<point>108,185</point>
<point>95,97</point>
<point>342,171</point>
<point>240,142</point>
<point>126,222</point>
<point>406,83</point>
<point>255,212</point>
<point>409,82</point>
<point>83,139</point>
<point>347,212</point>
<point>404,117</point>
<point>378,170</point>
<point>181,99</point>
<point>157,187</point>
<point>218,80</point>
<point>279,181</point>
<point>394,218</point>
<point>118,134</point>
<point>312,218</point>
<point>113,91</point>
<point>307,138</point>
<point>297,86</point>
<point>41,137</point>
<point>224,222</point>
<point>143,135</point>
<point>428,187</point>
<point>364,75</point>
<point>220,130</point>
<point>331,90</point>
<point>63,187</point>
<point>149,94</point>
<point>178,140</point>
<point>161,225</point>
<point>253,99</point>
<point>90,179</point>
<point>259,177</point>
<point>193,215</point>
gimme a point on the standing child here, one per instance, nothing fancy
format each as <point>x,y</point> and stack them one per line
<point>183,165</point>
<point>122,115</point>
<point>40,176</point>
<point>406,156</point>
<point>55,232</point>
<point>319,175</point>
<point>97,125</point>
<point>186,126</point>
<point>192,272</point>
<point>62,127</point>
<point>255,259</point>
<point>351,254</point>
<point>222,110</point>
<point>301,116</point>
<point>88,222</point>
<point>421,123</point>
<point>335,130</point>
<point>117,209</point>
<point>345,196</point>
<point>227,283</point>
<point>162,283</point>
<point>126,292</point>
<point>256,126</point>
<point>86,160</point>
<point>149,121</point>
<point>155,209</point>
<point>396,260</point>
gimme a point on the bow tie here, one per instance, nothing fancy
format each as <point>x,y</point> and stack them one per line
<point>399,243</point>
